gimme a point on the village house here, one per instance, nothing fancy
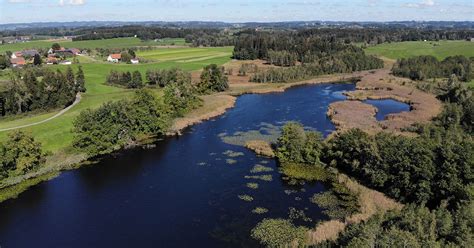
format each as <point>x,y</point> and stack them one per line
<point>114,58</point>
<point>65,62</point>
<point>134,61</point>
<point>24,53</point>
<point>18,62</point>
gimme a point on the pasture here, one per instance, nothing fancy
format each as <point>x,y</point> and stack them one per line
<point>438,49</point>
<point>90,44</point>
<point>56,134</point>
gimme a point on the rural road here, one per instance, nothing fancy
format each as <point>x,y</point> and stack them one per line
<point>78,99</point>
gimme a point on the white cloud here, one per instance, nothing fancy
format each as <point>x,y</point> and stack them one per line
<point>71,2</point>
<point>422,4</point>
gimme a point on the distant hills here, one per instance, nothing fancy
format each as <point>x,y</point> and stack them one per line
<point>207,24</point>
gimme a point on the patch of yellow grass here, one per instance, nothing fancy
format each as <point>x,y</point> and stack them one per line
<point>371,202</point>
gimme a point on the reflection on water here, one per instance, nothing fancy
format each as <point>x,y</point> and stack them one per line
<point>182,193</point>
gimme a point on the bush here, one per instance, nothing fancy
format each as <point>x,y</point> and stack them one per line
<point>213,79</point>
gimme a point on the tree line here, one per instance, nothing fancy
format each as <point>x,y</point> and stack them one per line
<point>338,63</point>
<point>212,79</point>
<point>425,67</point>
<point>41,89</point>
<point>123,123</point>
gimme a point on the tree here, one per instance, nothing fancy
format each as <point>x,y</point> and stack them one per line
<point>21,153</point>
<point>56,46</point>
<point>213,79</point>
<point>126,57</point>
<point>4,62</point>
<point>37,60</point>
<point>137,81</point>
<point>80,80</point>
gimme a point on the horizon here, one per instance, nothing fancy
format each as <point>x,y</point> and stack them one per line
<point>234,12</point>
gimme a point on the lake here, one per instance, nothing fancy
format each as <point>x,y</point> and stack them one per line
<point>183,192</point>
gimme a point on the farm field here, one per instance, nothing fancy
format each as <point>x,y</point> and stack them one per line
<point>185,54</point>
<point>56,134</point>
<point>90,44</point>
<point>439,49</point>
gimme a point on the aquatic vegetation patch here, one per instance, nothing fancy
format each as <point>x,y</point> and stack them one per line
<point>267,178</point>
<point>267,132</point>
<point>280,233</point>
<point>260,168</point>
<point>233,154</point>
<point>290,191</point>
<point>305,172</point>
<point>246,198</point>
<point>295,214</point>
<point>339,202</point>
<point>252,185</point>
<point>260,210</point>
<point>231,161</point>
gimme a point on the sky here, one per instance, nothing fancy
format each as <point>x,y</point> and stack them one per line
<point>23,11</point>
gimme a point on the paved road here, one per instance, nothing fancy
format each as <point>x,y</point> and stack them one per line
<point>78,99</point>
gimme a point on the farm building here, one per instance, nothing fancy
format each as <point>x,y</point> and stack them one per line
<point>114,58</point>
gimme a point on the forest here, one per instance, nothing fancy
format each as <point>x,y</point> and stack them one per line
<point>40,89</point>
<point>427,67</point>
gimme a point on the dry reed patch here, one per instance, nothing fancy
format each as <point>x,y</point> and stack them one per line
<point>353,114</point>
<point>260,147</point>
<point>379,84</point>
<point>213,105</point>
<point>371,202</point>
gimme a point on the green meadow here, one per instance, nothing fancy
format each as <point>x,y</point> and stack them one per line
<point>56,135</point>
<point>91,44</point>
<point>439,49</point>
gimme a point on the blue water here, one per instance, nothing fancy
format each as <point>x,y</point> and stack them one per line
<point>182,193</point>
<point>388,106</point>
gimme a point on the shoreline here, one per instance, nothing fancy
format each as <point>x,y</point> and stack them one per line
<point>219,103</point>
<point>213,106</point>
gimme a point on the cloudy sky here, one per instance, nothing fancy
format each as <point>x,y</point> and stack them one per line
<point>15,11</point>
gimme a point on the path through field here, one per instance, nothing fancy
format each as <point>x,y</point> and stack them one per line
<point>78,99</point>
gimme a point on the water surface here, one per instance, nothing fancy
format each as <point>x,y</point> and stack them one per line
<point>387,106</point>
<point>182,193</point>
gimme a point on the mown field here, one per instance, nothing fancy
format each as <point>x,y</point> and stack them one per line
<point>56,134</point>
<point>90,44</point>
<point>439,49</point>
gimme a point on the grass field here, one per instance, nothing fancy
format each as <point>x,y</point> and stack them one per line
<point>440,49</point>
<point>56,134</point>
<point>90,44</point>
